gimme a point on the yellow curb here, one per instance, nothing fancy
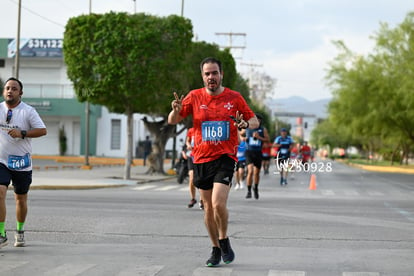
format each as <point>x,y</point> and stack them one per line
<point>75,187</point>
<point>389,169</point>
<point>94,160</point>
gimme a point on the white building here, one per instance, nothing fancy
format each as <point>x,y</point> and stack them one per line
<point>47,88</point>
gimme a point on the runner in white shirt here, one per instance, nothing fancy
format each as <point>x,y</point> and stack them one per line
<point>19,123</point>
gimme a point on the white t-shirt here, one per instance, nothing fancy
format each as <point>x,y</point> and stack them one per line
<point>15,153</point>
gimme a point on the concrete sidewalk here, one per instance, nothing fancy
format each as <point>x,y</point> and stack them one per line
<point>49,174</point>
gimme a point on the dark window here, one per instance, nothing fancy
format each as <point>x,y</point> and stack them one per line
<point>115,134</point>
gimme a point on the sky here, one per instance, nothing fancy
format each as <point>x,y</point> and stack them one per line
<point>290,40</point>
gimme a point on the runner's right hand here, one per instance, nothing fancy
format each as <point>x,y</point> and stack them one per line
<point>176,104</point>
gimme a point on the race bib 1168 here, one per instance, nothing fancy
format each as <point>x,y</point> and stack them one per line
<point>215,130</point>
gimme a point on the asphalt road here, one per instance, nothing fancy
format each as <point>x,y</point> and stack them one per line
<point>355,223</point>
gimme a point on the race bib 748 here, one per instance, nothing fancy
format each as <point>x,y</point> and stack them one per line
<point>16,162</point>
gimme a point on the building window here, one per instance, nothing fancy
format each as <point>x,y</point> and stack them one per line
<point>115,134</point>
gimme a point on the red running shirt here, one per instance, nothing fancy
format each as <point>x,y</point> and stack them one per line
<point>190,134</point>
<point>214,131</point>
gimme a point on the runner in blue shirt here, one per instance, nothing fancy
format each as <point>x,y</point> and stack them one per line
<point>285,144</point>
<point>241,163</point>
<point>255,140</point>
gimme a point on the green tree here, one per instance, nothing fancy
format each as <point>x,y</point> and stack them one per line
<point>395,61</point>
<point>130,64</point>
<point>242,85</point>
<point>331,134</point>
<point>373,99</point>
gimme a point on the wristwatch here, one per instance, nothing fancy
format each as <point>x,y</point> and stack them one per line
<point>24,133</point>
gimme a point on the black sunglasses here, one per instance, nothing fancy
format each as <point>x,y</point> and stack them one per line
<point>9,115</point>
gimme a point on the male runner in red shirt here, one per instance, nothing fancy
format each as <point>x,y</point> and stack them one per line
<point>217,113</point>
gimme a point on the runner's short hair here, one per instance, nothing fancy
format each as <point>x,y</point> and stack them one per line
<point>210,60</point>
<point>14,79</point>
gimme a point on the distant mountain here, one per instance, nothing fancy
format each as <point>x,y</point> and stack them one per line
<point>299,104</point>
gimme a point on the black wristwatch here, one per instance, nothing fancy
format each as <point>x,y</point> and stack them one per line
<point>24,133</point>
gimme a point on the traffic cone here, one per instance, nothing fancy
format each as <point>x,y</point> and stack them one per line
<point>312,183</point>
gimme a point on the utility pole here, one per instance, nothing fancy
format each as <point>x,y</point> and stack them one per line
<point>135,6</point>
<point>251,65</point>
<point>182,8</point>
<point>86,166</point>
<point>17,54</point>
<point>254,84</point>
<point>230,45</point>
<point>174,152</point>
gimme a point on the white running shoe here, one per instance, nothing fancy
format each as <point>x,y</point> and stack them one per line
<point>19,239</point>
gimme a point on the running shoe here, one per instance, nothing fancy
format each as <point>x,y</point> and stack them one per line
<point>237,186</point>
<point>192,202</point>
<point>256,193</point>
<point>227,252</point>
<point>215,257</point>
<point>201,205</point>
<point>249,194</point>
<point>3,241</point>
<point>19,239</point>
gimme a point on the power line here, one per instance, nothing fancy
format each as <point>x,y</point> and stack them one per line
<point>67,7</point>
<point>251,65</point>
<point>230,46</point>
<point>39,15</point>
<point>230,35</point>
<point>250,74</point>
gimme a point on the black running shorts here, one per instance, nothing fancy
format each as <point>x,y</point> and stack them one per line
<point>220,170</point>
<point>190,163</point>
<point>241,164</point>
<point>254,157</point>
<point>21,179</point>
